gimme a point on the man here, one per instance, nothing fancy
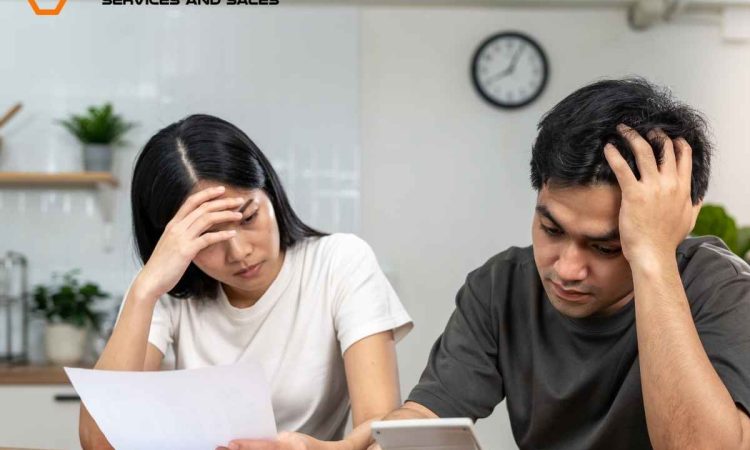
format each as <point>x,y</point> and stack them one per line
<point>613,330</point>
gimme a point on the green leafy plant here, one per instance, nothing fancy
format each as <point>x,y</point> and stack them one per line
<point>714,220</point>
<point>98,126</point>
<point>69,301</point>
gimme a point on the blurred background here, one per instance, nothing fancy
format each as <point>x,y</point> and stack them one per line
<point>367,110</point>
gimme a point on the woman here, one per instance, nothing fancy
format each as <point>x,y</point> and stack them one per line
<point>231,273</point>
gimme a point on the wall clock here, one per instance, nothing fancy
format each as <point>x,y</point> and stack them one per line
<point>509,70</point>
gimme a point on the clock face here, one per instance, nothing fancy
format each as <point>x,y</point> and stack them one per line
<point>509,70</point>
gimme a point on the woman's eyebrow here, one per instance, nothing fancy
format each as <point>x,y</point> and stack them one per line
<point>246,204</point>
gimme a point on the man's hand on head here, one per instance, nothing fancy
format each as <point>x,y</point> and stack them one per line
<point>656,212</point>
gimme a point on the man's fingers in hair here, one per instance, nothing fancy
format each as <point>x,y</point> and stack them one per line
<point>684,157</point>
<point>625,176</point>
<point>644,154</point>
<point>668,161</point>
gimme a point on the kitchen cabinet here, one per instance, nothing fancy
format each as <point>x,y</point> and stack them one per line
<point>38,409</point>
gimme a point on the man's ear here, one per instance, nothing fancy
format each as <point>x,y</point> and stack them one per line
<point>696,209</point>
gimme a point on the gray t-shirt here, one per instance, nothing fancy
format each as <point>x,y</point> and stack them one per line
<point>575,383</point>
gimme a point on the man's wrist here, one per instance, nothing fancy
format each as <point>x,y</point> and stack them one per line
<point>649,263</point>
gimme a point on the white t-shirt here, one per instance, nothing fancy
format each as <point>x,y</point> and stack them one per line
<point>329,293</point>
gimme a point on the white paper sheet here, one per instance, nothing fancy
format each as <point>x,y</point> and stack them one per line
<point>179,409</point>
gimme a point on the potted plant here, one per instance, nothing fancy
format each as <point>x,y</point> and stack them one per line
<point>67,308</point>
<point>714,220</point>
<point>99,130</point>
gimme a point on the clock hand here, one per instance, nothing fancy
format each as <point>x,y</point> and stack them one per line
<point>516,56</point>
<point>504,73</point>
<point>511,67</point>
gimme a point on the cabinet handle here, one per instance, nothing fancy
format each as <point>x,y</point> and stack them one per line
<point>67,398</point>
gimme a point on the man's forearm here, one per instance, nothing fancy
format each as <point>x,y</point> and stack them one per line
<point>411,410</point>
<point>686,403</point>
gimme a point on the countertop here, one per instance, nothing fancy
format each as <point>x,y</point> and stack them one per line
<point>31,375</point>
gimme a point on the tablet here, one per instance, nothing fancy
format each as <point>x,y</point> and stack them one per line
<point>423,434</point>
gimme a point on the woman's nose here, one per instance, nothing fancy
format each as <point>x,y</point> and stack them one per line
<point>238,249</point>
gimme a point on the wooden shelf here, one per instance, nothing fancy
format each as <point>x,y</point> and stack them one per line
<point>61,179</point>
<point>104,183</point>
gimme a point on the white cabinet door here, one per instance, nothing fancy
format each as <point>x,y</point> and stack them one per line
<point>39,417</point>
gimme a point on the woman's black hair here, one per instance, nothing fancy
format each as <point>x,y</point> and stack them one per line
<point>202,148</point>
<point>569,147</point>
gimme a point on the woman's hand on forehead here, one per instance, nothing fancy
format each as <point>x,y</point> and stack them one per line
<point>184,236</point>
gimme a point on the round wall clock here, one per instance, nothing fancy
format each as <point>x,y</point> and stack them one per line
<point>509,69</point>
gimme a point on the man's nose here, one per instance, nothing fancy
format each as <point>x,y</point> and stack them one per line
<point>571,265</point>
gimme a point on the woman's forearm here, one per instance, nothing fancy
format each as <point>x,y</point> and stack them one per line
<point>90,435</point>
<point>126,348</point>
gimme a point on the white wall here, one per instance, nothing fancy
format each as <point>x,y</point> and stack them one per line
<point>445,177</point>
<point>286,76</point>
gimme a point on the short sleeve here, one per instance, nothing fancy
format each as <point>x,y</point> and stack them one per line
<point>161,334</point>
<point>462,377</point>
<point>364,301</point>
<point>724,329</point>
<point>162,327</point>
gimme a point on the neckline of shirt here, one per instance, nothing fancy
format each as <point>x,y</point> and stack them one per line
<point>601,325</point>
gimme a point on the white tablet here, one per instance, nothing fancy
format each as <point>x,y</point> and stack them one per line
<point>423,434</point>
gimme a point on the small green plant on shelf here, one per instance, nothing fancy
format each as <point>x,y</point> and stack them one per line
<point>100,125</point>
<point>69,301</point>
<point>99,130</point>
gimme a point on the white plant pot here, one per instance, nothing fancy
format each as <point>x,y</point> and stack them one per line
<point>64,344</point>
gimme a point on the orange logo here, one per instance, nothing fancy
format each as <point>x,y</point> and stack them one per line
<point>47,11</point>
